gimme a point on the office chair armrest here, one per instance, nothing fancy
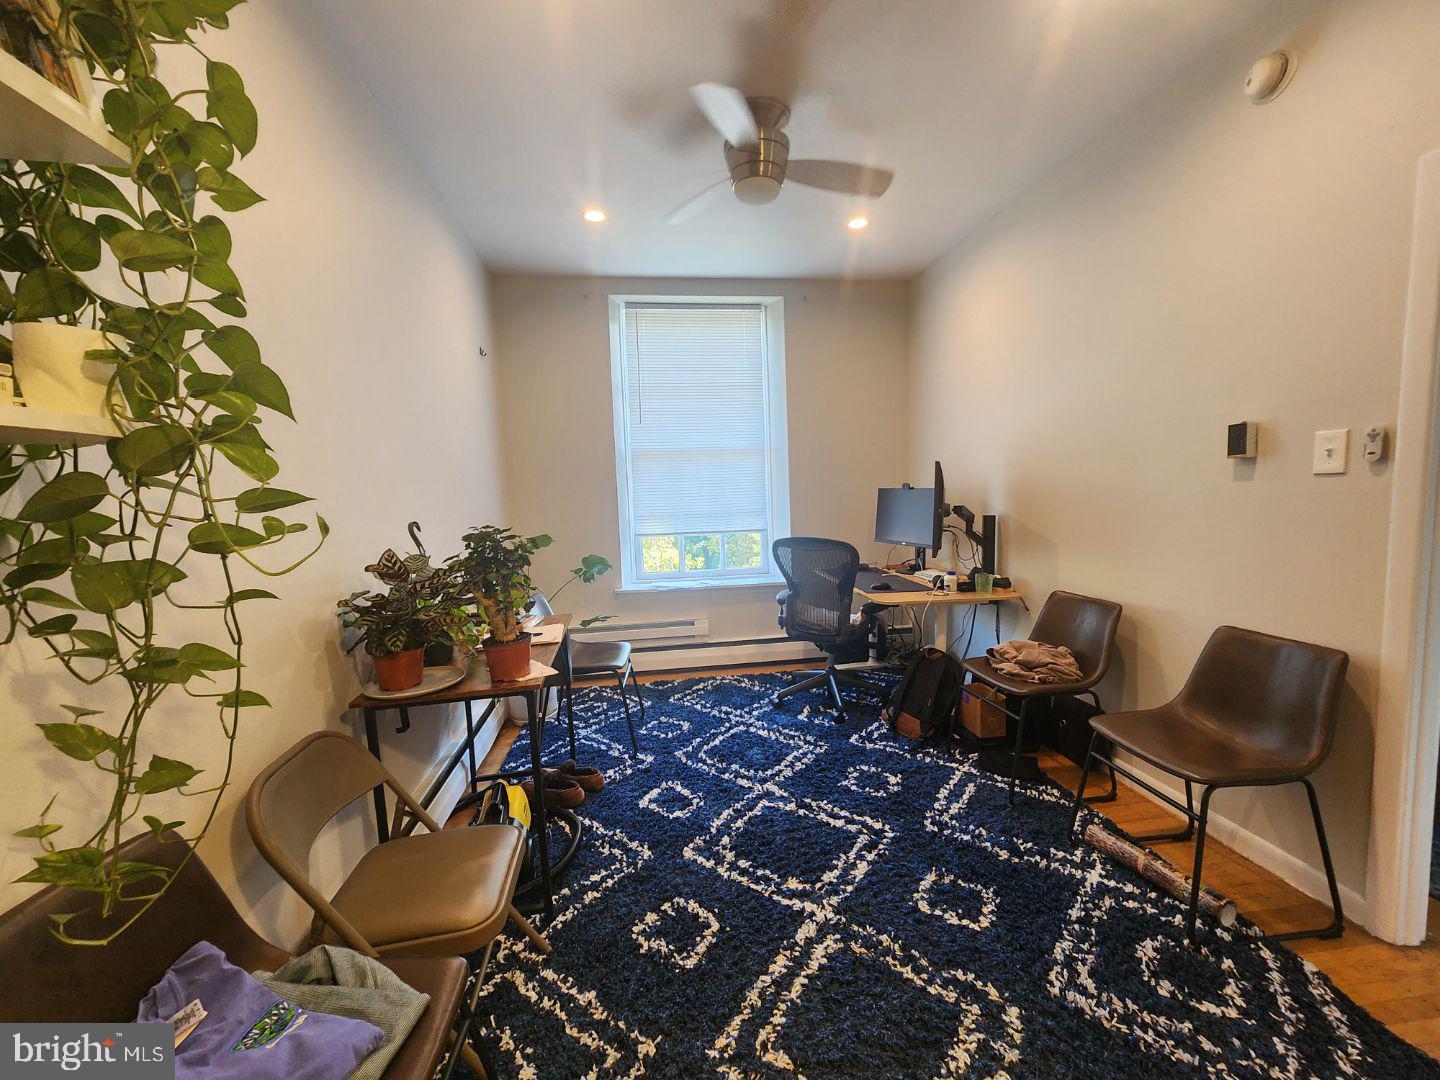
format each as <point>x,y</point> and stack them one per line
<point>782,598</point>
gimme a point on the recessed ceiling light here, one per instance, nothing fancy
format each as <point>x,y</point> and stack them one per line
<point>858,222</point>
<point>594,215</point>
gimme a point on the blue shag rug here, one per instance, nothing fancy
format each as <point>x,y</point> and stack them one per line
<point>765,893</point>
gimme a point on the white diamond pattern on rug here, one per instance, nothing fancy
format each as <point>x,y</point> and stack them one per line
<point>959,903</point>
<point>664,727</point>
<point>615,857</point>
<point>1189,984</point>
<point>672,799</point>
<point>680,930</point>
<point>752,754</point>
<point>949,818</point>
<point>767,894</point>
<point>777,822</point>
<point>612,1048</point>
<point>783,1020</point>
<point>871,780</point>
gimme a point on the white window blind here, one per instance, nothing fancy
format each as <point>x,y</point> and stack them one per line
<point>697,419</point>
<point>696,439</point>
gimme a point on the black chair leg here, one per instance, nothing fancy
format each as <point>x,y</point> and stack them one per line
<point>1084,776</point>
<point>1194,910</point>
<point>1114,792</point>
<point>625,704</point>
<point>1185,833</point>
<point>568,693</point>
<point>830,680</point>
<point>639,697</point>
<point>834,688</point>
<point>622,677</point>
<point>811,680</point>
<point>1336,926</point>
<point>1019,742</point>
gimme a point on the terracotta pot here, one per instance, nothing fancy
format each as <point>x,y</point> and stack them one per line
<point>508,662</point>
<point>401,671</point>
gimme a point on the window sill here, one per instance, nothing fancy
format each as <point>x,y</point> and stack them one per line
<point>704,583</point>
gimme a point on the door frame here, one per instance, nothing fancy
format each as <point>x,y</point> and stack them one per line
<point>1407,716</point>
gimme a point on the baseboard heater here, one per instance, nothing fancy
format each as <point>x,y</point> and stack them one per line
<point>681,656</point>
<point>676,630</point>
<point>674,644</point>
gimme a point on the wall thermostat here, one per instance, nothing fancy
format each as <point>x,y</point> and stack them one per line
<point>1269,76</point>
<point>1242,439</point>
<point>1375,444</point>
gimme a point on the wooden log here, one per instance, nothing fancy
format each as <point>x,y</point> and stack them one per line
<point>1158,872</point>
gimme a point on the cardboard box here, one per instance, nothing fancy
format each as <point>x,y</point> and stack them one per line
<point>982,720</point>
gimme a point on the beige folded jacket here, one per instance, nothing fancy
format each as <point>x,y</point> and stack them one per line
<point>1034,661</point>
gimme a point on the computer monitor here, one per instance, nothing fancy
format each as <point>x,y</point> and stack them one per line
<point>912,516</point>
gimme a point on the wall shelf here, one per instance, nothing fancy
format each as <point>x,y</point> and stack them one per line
<point>21,424</point>
<point>41,122</point>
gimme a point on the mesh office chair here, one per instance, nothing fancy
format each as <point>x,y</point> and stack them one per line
<point>815,607</point>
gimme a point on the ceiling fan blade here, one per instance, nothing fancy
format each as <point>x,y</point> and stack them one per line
<point>693,205</point>
<point>728,112</point>
<point>845,176</point>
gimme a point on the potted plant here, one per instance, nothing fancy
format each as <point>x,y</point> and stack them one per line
<point>417,609</point>
<point>495,566</point>
<point>128,563</point>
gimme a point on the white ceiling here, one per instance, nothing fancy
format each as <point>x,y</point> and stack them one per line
<point>522,112</point>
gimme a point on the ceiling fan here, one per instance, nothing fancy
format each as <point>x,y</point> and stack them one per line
<point>757,153</point>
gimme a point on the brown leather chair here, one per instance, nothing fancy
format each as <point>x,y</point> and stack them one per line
<point>1256,711</point>
<point>442,893</point>
<point>1084,625</point>
<point>48,981</point>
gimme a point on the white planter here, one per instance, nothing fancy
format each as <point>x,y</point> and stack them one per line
<point>52,370</point>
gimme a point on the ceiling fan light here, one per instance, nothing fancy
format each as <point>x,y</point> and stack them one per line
<point>757,190</point>
<point>858,222</point>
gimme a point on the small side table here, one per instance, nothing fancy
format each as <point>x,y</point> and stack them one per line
<point>476,686</point>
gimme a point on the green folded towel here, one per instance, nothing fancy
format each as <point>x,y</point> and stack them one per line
<point>343,982</point>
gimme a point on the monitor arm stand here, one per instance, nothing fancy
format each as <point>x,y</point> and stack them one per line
<point>983,539</point>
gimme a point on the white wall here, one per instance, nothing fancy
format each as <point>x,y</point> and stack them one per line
<point>372,308</point>
<point>845,356</point>
<point>1203,262</point>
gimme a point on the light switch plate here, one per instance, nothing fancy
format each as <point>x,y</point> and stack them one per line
<point>1332,451</point>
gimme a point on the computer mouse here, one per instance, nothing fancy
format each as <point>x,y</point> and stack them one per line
<point>881,586</point>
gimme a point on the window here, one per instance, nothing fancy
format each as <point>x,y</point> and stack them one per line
<point>700,453</point>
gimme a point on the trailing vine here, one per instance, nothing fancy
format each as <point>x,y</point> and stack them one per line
<point>109,550</point>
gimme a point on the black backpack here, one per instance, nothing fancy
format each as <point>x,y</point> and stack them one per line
<point>924,703</point>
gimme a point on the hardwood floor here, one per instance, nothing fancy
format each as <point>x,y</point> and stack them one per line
<point>1400,986</point>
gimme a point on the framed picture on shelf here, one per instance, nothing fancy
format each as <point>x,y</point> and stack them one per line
<point>30,32</point>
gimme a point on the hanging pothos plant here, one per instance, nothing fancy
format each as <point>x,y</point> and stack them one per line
<point>103,547</point>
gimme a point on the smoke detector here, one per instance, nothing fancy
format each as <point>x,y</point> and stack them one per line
<point>1269,76</point>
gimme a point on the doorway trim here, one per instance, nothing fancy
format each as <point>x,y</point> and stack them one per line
<point>1407,716</point>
